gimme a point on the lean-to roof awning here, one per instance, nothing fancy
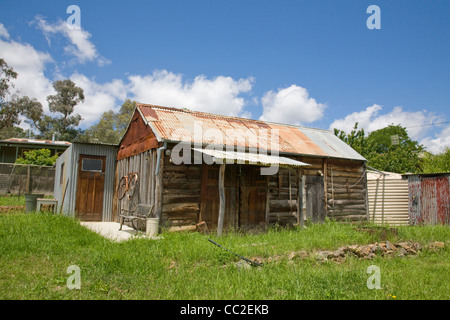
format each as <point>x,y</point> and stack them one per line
<point>250,158</point>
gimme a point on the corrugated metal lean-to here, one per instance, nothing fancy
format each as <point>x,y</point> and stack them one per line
<point>388,198</point>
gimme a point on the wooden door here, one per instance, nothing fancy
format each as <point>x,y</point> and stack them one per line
<point>90,183</point>
<point>315,199</point>
<point>210,201</point>
<point>253,194</point>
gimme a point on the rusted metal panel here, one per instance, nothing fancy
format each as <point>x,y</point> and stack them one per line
<point>293,140</point>
<point>138,138</point>
<point>443,199</point>
<point>174,124</point>
<point>429,199</point>
<point>414,200</point>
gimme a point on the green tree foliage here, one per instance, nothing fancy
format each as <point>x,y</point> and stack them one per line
<point>387,149</point>
<point>67,96</point>
<point>436,163</point>
<point>6,75</point>
<point>9,115</point>
<point>30,108</point>
<point>62,122</point>
<point>112,126</point>
<point>356,139</point>
<point>394,150</point>
<point>40,157</point>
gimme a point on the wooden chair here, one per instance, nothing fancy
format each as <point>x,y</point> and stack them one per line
<point>142,212</point>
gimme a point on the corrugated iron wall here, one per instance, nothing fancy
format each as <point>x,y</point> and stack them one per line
<point>388,200</point>
<point>65,192</point>
<point>62,187</point>
<point>429,199</point>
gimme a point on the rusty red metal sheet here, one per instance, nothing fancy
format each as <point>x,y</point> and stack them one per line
<point>138,138</point>
<point>429,199</point>
<point>298,141</point>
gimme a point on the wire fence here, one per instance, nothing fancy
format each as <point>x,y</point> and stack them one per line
<point>22,178</point>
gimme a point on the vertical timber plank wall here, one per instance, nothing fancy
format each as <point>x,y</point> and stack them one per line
<point>180,189</point>
<point>144,164</point>
<point>282,198</point>
<point>181,193</point>
<point>346,190</point>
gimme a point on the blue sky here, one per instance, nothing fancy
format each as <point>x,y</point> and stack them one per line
<point>311,63</point>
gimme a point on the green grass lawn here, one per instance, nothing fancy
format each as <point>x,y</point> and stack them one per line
<point>37,249</point>
<point>12,200</point>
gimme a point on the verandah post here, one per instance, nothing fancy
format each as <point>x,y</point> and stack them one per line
<point>222,199</point>
<point>300,198</point>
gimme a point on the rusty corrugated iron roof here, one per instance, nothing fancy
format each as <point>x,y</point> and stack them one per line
<point>173,124</point>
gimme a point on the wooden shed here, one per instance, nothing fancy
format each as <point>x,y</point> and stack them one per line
<point>235,173</point>
<point>85,181</point>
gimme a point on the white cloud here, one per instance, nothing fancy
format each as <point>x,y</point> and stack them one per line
<point>439,143</point>
<point>220,95</point>
<point>3,32</point>
<point>30,65</point>
<point>99,98</point>
<point>80,46</point>
<point>416,123</point>
<point>291,105</point>
<point>371,119</point>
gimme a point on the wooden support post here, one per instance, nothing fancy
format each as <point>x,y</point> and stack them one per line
<point>267,201</point>
<point>159,187</point>
<point>222,199</point>
<point>301,219</point>
<point>366,192</point>
<point>325,184</point>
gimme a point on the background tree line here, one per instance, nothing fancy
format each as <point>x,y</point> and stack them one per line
<point>391,149</point>
<point>63,121</point>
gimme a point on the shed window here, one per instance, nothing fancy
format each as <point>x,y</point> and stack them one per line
<point>92,165</point>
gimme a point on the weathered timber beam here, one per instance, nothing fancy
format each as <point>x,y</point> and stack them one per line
<point>222,199</point>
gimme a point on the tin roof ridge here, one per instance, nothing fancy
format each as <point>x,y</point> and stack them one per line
<point>212,115</point>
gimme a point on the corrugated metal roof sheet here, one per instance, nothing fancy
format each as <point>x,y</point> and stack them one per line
<point>173,124</point>
<point>388,198</point>
<point>36,141</point>
<point>373,175</point>
<point>251,158</point>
